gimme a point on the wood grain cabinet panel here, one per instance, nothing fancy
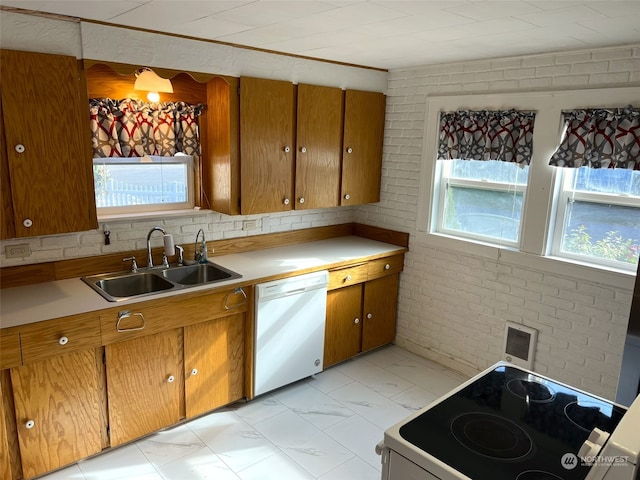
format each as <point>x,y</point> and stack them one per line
<point>46,128</point>
<point>319,146</point>
<point>343,330</point>
<point>343,277</point>
<point>379,312</point>
<point>267,145</point>
<point>60,336</point>
<point>144,378</point>
<point>214,364</point>
<point>57,408</point>
<point>385,266</point>
<point>362,147</point>
<point>10,355</point>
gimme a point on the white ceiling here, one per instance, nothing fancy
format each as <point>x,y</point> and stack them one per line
<point>387,34</point>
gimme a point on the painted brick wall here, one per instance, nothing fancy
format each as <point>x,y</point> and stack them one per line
<point>453,306</point>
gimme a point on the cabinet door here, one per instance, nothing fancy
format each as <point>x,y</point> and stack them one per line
<point>214,364</point>
<point>143,385</point>
<point>343,331</point>
<point>362,149</point>
<point>379,312</point>
<point>7,227</point>
<point>57,410</point>
<point>46,126</point>
<point>319,146</point>
<point>267,143</point>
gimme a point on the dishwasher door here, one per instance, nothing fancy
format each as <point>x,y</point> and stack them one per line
<point>289,330</point>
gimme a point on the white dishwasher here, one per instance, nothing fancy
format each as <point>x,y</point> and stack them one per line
<point>290,319</point>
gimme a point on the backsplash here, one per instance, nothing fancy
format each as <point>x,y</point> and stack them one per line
<point>132,235</point>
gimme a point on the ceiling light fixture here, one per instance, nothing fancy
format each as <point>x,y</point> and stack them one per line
<point>149,81</point>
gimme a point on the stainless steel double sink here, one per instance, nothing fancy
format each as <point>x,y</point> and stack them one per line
<point>125,285</point>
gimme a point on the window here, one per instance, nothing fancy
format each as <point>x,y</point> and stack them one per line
<point>481,200</point>
<point>141,184</point>
<point>598,216</point>
<point>589,217</point>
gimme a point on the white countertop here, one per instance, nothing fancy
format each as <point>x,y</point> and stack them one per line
<point>44,301</point>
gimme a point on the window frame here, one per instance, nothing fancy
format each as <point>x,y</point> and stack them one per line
<point>540,208</point>
<point>179,159</point>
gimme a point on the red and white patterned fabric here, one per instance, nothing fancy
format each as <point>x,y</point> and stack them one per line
<point>131,128</point>
<point>486,135</point>
<point>600,138</point>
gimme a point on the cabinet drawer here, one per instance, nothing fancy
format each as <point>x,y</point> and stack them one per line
<point>155,316</point>
<point>9,349</point>
<point>344,277</point>
<point>60,336</point>
<point>385,266</point>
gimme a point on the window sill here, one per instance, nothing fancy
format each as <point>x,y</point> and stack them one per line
<point>547,264</point>
<point>187,212</point>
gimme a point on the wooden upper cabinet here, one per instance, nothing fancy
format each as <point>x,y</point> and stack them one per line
<point>362,147</point>
<point>319,146</point>
<point>7,224</point>
<point>267,145</point>
<point>48,143</point>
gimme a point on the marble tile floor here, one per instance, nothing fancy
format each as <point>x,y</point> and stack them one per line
<point>324,427</point>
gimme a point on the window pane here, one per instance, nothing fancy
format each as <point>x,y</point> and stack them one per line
<point>492,170</point>
<point>119,185</point>
<point>487,213</point>
<point>608,232</point>
<point>618,181</point>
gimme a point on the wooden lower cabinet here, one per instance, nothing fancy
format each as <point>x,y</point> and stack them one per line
<point>360,317</point>
<point>379,312</point>
<point>58,410</point>
<point>214,364</point>
<point>144,378</point>
<point>343,330</point>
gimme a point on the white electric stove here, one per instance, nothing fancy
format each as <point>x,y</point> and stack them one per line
<point>508,423</point>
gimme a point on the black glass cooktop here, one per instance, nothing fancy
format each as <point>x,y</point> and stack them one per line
<point>512,425</point>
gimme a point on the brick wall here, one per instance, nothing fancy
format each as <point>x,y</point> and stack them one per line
<point>453,306</point>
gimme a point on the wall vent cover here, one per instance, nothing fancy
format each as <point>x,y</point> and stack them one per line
<point>519,345</point>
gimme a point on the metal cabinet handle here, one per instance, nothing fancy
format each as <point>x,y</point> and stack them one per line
<point>27,222</point>
<point>194,371</point>
<point>387,266</point>
<point>235,305</point>
<point>286,201</point>
<point>347,196</point>
<point>30,424</point>
<point>126,314</point>
<point>287,149</point>
<point>356,321</point>
<point>303,149</point>
<point>170,379</point>
<point>63,340</point>
<point>19,148</point>
<point>349,150</point>
<point>347,278</point>
<point>301,200</point>
<point>369,316</point>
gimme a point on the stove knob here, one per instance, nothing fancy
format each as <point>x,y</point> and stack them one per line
<point>588,451</point>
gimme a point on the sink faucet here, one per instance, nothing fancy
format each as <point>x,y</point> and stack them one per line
<point>200,254</point>
<point>168,247</point>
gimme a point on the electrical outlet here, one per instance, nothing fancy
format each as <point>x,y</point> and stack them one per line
<point>18,251</point>
<point>249,224</point>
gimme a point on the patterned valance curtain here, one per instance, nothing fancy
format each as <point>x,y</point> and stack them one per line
<point>132,128</point>
<point>487,135</point>
<point>600,138</point>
